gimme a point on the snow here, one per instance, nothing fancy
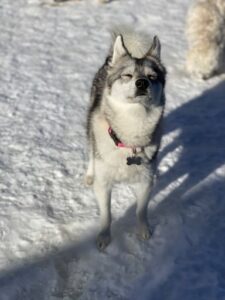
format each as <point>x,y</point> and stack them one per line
<point>48,218</point>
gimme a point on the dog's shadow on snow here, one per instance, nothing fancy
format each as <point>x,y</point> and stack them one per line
<point>201,138</point>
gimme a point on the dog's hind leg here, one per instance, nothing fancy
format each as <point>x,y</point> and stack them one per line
<point>143,197</point>
<point>102,189</point>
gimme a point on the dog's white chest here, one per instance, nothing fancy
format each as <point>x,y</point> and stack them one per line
<point>116,157</point>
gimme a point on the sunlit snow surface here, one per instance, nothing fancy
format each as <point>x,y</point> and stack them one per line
<point>48,219</point>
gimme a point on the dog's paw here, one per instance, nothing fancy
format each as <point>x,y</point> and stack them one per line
<point>103,240</point>
<point>88,180</point>
<point>144,233</point>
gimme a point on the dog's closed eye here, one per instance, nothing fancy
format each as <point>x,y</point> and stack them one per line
<point>152,77</point>
<point>126,76</point>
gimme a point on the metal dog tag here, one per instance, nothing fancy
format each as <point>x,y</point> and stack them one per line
<point>134,160</point>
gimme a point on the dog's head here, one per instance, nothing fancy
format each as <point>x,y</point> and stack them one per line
<point>136,80</point>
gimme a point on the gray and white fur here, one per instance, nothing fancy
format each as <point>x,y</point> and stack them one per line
<point>127,95</point>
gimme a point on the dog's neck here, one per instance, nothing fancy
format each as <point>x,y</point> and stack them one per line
<point>133,123</point>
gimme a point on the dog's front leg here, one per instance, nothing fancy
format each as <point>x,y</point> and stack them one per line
<point>89,177</point>
<point>102,190</point>
<point>143,197</point>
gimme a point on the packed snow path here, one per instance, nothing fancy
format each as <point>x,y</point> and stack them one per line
<point>48,219</point>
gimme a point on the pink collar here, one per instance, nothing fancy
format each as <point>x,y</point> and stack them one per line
<point>131,160</point>
<point>120,144</point>
<point>116,140</point>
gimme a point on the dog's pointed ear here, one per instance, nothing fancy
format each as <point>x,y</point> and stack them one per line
<point>119,50</point>
<point>155,49</point>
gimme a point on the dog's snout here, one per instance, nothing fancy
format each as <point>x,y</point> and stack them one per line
<point>142,84</point>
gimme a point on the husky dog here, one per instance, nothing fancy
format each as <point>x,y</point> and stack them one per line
<point>206,38</point>
<point>124,125</point>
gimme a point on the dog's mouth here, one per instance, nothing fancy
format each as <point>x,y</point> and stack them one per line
<point>143,98</point>
<point>140,97</point>
<point>141,93</point>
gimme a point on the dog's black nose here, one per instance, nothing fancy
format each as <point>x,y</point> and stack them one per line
<point>142,84</point>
